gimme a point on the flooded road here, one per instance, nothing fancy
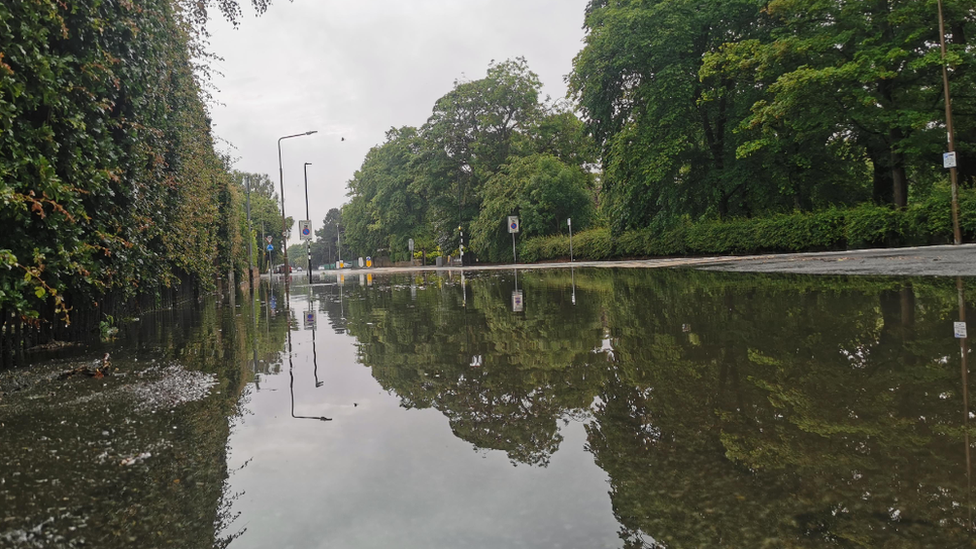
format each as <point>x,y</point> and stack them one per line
<point>588,408</point>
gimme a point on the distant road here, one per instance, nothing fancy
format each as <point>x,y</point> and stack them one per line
<point>919,261</point>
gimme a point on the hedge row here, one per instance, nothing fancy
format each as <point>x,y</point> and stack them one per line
<point>864,226</point>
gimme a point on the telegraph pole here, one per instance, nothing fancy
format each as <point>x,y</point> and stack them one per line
<point>951,156</point>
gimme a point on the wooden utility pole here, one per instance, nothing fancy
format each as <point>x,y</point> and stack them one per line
<point>953,172</point>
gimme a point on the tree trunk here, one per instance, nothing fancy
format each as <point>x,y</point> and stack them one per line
<point>899,180</point>
<point>883,188</point>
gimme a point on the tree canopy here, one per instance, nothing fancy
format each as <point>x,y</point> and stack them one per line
<point>431,183</point>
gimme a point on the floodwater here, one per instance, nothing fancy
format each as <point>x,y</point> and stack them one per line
<point>596,408</point>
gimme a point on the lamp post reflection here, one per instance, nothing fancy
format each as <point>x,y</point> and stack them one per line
<point>291,385</point>
<point>310,322</point>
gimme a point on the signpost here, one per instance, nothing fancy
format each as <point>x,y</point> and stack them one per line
<point>960,330</point>
<point>410,247</point>
<point>305,229</point>
<point>513,227</point>
<point>569,221</point>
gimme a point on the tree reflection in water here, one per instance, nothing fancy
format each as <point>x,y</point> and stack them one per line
<point>737,411</point>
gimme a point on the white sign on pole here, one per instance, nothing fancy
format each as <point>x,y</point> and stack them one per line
<point>305,229</point>
<point>268,239</point>
<point>960,330</point>
<point>410,245</point>
<point>949,160</point>
<point>513,224</point>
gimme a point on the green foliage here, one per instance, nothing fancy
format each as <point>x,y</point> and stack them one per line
<point>109,182</point>
<point>490,149</point>
<point>543,191</point>
<point>866,225</point>
<point>736,108</point>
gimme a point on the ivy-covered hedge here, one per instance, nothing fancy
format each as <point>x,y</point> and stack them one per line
<point>110,186</point>
<point>864,226</point>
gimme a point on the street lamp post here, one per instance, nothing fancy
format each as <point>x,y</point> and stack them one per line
<point>250,236</point>
<point>281,183</point>
<point>308,243</point>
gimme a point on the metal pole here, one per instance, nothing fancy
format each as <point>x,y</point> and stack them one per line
<point>569,221</point>
<point>514,257</point>
<point>250,237</point>
<point>308,243</point>
<point>284,228</point>
<point>338,245</point>
<point>953,175</point>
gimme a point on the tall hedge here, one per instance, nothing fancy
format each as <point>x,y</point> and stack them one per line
<point>109,182</point>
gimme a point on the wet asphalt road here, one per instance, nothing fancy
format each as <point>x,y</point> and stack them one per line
<point>915,261</point>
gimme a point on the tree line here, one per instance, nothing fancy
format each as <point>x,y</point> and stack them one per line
<point>687,112</point>
<point>492,147</point>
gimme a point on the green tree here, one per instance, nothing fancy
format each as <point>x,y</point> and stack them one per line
<point>470,135</point>
<point>866,72</point>
<point>543,191</point>
<point>667,133</point>
<point>325,247</point>
<point>386,208</point>
<point>265,215</point>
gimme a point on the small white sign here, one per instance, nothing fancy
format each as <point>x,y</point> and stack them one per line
<point>949,160</point>
<point>268,239</point>
<point>305,229</point>
<point>513,224</point>
<point>518,303</point>
<point>410,245</point>
<point>960,330</point>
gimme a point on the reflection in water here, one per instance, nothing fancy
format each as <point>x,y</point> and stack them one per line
<point>964,368</point>
<point>137,458</point>
<point>291,382</point>
<point>622,409</point>
<point>811,411</point>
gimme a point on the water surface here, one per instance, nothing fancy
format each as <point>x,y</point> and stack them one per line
<point>594,408</point>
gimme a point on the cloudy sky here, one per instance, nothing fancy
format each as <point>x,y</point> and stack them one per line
<point>355,69</point>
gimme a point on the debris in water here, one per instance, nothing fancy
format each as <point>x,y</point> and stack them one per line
<point>136,459</point>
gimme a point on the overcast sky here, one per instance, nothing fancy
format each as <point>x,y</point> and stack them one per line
<point>356,69</point>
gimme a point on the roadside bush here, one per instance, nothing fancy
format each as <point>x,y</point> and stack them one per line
<point>592,245</point>
<point>867,225</point>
